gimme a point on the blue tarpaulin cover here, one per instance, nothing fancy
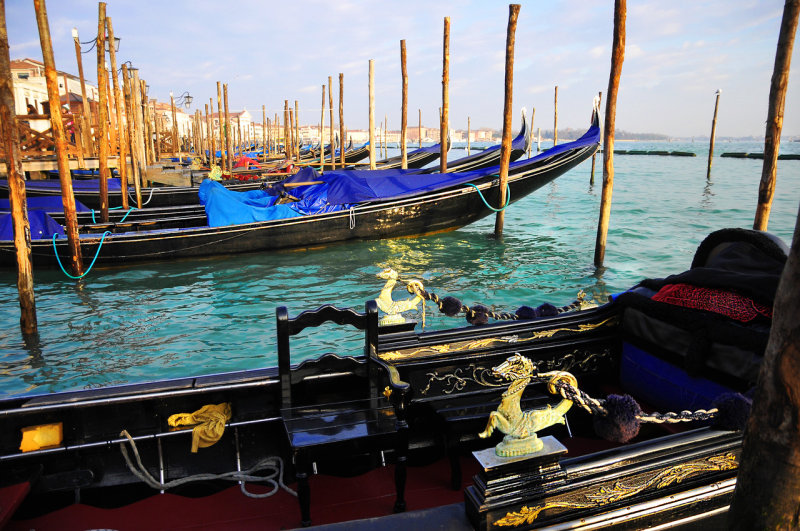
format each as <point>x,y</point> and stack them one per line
<point>48,204</point>
<point>224,207</point>
<point>42,226</point>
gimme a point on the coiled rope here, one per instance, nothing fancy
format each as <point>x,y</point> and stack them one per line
<point>55,252</point>
<point>273,464</point>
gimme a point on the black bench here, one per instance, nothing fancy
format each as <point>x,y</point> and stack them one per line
<point>453,390</point>
<point>363,413</point>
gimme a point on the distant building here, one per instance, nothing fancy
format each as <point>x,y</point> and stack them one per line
<point>163,112</point>
<point>30,88</point>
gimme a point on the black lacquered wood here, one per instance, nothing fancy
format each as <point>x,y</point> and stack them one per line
<point>361,420</point>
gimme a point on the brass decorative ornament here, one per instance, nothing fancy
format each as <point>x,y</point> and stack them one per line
<point>618,490</point>
<point>520,426</point>
<point>463,346</point>
<point>393,308</point>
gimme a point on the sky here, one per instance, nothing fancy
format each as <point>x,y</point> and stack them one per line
<point>677,55</point>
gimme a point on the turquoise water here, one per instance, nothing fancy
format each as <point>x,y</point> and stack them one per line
<point>155,321</point>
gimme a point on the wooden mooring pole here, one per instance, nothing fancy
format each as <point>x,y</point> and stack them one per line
<point>222,127</point>
<point>372,114</point>
<point>228,135</point>
<point>264,127</point>
<point>102,115</point>
<point>86,126</point>
<point>148,112</point>
<point>617,58</point>
<point>341,117</point>
<point>286,151</point>
<point>51,78</point>
<point>212,138</point>
<point>713,135</point>
<point>131,139</point>
<point>322,132</point>
<point>445,117</point>
<point>136,95</point>
<point>296,130</point>
<point>403,106</point>
<point>555,117</point>
<point>16,186</point>
<point>469,126</point>
<point>777,101</point>
<point>330,108</point>
<point>173,112</point>
<point>505,148</point>
<point>122,134</point>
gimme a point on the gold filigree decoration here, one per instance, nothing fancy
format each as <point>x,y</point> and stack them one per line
<point>619,491</point>
<point>457,380</point>
<point>447,348</point>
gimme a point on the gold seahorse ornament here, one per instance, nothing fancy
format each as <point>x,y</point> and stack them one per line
<point>393,308</point>
<point>520,426</point>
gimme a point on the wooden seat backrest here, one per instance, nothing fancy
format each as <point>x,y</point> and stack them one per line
<point>287,327</point>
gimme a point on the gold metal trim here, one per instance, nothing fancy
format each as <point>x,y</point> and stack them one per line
<point>460,346</point>
<point>457,380</point>
<point>619,491</point>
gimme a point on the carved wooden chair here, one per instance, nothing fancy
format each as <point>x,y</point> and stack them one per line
<point>363,413</point>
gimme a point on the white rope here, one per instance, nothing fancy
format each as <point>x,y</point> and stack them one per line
<point>275,464</point>
<point>352,218</point>
<point>148,199</point>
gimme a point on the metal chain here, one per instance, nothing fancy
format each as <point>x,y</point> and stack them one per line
<point>597,407</point>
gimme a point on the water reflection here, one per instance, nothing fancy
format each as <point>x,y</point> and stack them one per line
<point>707,202</point>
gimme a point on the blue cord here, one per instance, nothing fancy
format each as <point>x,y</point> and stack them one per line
<point>508,198</point>
<point>55,251</point>
<point>114,208</point>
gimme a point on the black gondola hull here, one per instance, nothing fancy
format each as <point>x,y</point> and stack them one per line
<point>429,214</point>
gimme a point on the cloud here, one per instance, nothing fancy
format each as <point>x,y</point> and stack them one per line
<point>598,51</point>
<point>24,46</point>
<point>633,51</point>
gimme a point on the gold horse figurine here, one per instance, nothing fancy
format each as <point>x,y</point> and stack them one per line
<point>520,426</point>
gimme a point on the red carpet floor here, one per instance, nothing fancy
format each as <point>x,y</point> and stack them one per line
<point>332,500</point>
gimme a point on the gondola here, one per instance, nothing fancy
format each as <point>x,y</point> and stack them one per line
<point>612,461</point>
<point>431,204</point>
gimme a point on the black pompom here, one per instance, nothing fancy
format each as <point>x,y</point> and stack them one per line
<point>526,312</point>
<point>734,409</point>
<point>547,310</point>
<point>450,306</point>
<point>621,424</point>
<point>479,315</point>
